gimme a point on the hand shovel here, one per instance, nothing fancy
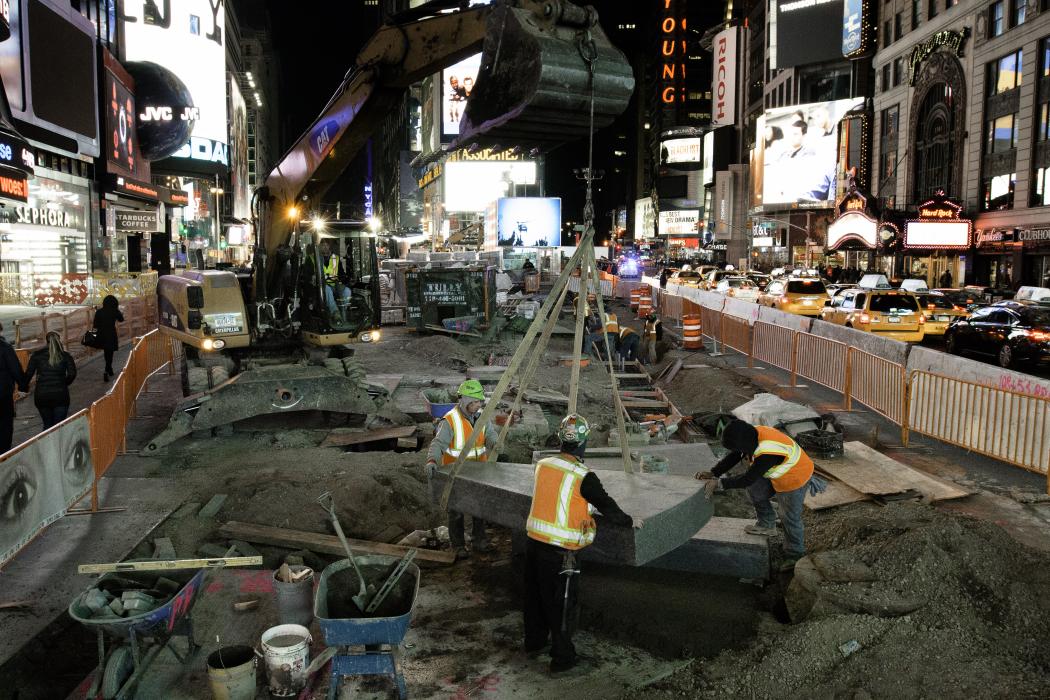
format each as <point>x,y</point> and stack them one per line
<point>363,596</point>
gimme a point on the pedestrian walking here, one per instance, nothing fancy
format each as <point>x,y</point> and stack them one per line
<point>105,324</point>
<point>11,376</point>
<point>55,370</point>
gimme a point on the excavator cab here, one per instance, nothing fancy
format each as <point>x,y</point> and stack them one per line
<point>340,286</point>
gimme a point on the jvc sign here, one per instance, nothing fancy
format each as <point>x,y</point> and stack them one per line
<point>723,79</point>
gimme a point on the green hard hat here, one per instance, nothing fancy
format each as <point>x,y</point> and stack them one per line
<point>472,390</point>
<point>574,428</point>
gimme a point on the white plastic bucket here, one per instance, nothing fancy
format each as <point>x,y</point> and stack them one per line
<point>231,673</point>
<point>286,658</point>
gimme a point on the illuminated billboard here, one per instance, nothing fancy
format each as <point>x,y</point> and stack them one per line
<point>470,186</point>
<point>176,52</point>
<point>937,234</point>
<point>799,153</point>
<point>679,222</point>
<point>680,151</point>
<point>529,221</point>
<point>242,195</point>
<point>457,81</point>
<point>808,31</point>
<point>644,219</point>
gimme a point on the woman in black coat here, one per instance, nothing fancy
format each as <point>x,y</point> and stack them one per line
<point>105,324</point>
<point>55,370</point>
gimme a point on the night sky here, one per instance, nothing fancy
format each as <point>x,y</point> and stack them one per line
<point>318,40</point>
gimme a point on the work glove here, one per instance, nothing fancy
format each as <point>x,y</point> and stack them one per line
<point>430,469</point>
<point>711,486</point>
<point>637,523</point>
<point>701,476</point>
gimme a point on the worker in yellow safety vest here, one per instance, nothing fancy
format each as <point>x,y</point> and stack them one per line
<point>458,432</point>
<point>777,468</point>
<point>628,345</point>
<point>561,522</point>
<point>332,283</point>
<point>652,333</point>
<point>612,330</point>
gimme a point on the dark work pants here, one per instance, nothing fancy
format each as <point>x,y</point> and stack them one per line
<point>52,415</point>
<point>629,347</point>
<point>109,360</point>
<point>456,528</point>
<point>545,602</point>
<point>7,421</point>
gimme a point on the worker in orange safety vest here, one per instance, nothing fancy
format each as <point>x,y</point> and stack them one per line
<point>560,524</point>
<point>457,432</point>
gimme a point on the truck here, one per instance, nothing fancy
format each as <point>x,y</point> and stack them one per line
<point>281,339</point>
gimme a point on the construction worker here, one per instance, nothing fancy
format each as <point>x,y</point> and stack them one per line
<point>778,468</point>
<point>330,262</point>
<point>595,336</point>
<point>559,525</point>
<point>652,333</point>
<point>628,345</point>
<point>612,330</point>
<point>457,432</point>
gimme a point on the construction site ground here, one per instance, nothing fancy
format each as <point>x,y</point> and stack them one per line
<point>950,600</point>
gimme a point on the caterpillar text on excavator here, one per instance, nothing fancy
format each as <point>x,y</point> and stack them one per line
<point>284,342</point>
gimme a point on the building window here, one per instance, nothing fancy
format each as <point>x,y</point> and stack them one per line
<point>888,141</point>
<point>1042,132</point>
<point>935,143</point>
<point>897,30</point>
<point>1004,74</point>
<point>887,38</point>
<point>1018,12</point>
<point>1041,191</point>
<point>995,19</point>
<point>1002,134</point>
<point>886,77</point>
<point>914,14</point>
<point>933,8</point>
<point>997,192</point>
<point>898,71</point>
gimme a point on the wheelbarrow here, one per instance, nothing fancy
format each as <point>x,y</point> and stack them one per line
<point>344,626</point>
<point>122,666</point>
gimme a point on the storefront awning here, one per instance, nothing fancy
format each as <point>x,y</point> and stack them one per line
<point>853,229</point>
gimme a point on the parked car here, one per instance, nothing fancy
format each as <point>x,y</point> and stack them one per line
<point>940,312</point>
<point>889,313</point>
<point>738,288</point>
<point>966,298</point>
<point>761,279</point>
<point>1010,331</point>
<point>836,287</point>
<point>712,278</point>
<point>1040,296</point>
<point>688,278</point>
<point>796,295</point>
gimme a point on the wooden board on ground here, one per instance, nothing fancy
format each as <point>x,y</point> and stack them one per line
<point>325,544</point>
<point>442,329</point>
<point>342,437</point>
<point>390,382</point>
<point>837,494</point>
<point>873,473</point>
<point>547,396</point>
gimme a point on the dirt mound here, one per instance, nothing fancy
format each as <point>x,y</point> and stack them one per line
<point>439,351</point>
<point>979,627</point>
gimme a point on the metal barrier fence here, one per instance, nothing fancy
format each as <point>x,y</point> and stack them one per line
<point>75,288</point>
<point>711,322</point>
<point>736,334</point>
<point>774,345</point>
<point>878,384</point>
<point>140,316</point>
<point>822,361</point>
<point>1006,425</point>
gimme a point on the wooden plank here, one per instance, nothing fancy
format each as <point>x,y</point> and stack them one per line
<point>172,565</point>
<point>873,473</point>
<point>630,375</point>
<point>390,382</point>
<point>644,403</point>
<point>325,544</point>
<point>212,507</point>
<point>442,329</point>
<point>640,394</point>
<point>343,437</point>
<point>837,494</point>
<point>547,396</point>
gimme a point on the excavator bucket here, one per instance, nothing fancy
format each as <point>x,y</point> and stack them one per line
<point>539,69</point>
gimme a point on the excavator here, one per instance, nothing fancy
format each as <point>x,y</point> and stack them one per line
<point>283,341</point>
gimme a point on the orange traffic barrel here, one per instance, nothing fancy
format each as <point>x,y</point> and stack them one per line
<point>636,294</point>
<point>645,304</point>
<point>691,337</point>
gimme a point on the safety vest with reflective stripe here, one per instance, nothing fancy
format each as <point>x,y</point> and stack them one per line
<point>612,325</point>
<point>560,515</point>
<point>796,468</point>
<point>626,331</point>
<point>463,435</point>
<point>331,266</point>
<point>650,328</point>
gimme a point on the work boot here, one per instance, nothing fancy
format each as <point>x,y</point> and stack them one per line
<point>483,547</point>
<point>462,553</point>
<point>581,663</point>
<point>757,529</point>
<point>789,561</point>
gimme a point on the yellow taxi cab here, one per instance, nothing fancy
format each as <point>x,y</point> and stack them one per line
<point>796,295</point>
<point>688,278</point>
<point>940,312</point>
<point>891,313</point>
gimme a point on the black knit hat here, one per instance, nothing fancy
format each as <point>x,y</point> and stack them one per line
<point>739,436</point>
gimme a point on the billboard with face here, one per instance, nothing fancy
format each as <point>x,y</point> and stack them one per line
<point>242,195</point>
<point>529,221</point>
<point>176,53</point>
<point>799,149</point>
<point>456,84</point>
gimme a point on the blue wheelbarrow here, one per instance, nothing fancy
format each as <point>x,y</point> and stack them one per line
<point>344,625</point>
<point>121,667</point>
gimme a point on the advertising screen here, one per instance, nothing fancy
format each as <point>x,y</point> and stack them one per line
<point>473,185</point>
<point>808,31</point>
<point>529,221</point>
<point>121,140</point>
<point>179,49</point>
<point>679,222</point>
<point>937,234</point>
<point>680,151</point>
<point>242,196</point>
<point>644,219</point>
<point>456,83</point>
<point>799,150</point>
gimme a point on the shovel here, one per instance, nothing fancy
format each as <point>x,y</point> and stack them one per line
<point>363,596</point>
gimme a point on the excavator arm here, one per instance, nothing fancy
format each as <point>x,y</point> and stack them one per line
<point>541,61</point>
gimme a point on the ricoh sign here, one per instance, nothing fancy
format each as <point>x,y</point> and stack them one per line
<point>723,80</point>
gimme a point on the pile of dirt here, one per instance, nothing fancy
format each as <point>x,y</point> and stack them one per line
<point>439,351</point>
<point>979,615</point>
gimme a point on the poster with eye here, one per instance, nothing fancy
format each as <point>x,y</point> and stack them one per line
<point>39,482</point>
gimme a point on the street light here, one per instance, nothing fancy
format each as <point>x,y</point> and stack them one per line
<point>374,224</point>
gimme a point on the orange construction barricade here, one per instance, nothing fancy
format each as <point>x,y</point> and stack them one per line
<point>636,294</point>
<point>645,304</point>
<point>691,338</point>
